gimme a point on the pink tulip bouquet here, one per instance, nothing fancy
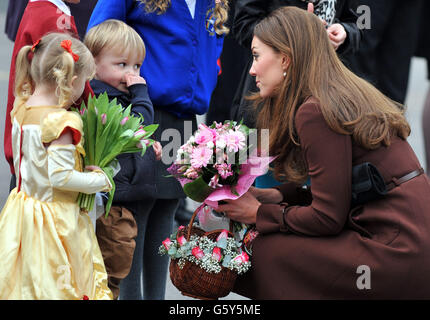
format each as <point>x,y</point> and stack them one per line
<point>110,130</point>
<point>210,255</point>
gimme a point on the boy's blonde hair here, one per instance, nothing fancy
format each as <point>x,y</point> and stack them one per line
<point>112,34</point>
<point>52,65</point>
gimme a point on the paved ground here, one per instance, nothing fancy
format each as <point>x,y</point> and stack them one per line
<point>418,87</point>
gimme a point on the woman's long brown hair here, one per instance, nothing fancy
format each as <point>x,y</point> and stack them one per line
<point>349,104</point>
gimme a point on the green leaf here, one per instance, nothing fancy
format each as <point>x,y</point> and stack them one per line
<point>198,190</point>
<point>226,260</point>
<point>222,243</point>
<point>172,251</point>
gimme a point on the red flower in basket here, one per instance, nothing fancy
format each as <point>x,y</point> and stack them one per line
<point>167,243</point>
<point>197,252</point>
<point>182,240</point>
<point>222,235</point>
<point>242,258</point>
<point>216,254</point>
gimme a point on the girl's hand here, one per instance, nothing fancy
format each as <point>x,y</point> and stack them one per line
<point>243,209</point>
<point>337,35</point>
<point>158,149</point>
<point>132,79</point>
<point>269,195</point>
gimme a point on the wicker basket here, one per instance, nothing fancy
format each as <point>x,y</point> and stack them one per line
<point>194,281</point>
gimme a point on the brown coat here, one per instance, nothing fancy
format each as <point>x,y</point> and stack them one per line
<point>314,248</point>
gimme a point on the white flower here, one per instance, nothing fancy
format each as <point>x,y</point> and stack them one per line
<point>220,142</point>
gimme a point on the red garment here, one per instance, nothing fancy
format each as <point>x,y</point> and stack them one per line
<point>40,18</point>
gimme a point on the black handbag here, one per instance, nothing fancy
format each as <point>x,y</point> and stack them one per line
<point>367,184</point>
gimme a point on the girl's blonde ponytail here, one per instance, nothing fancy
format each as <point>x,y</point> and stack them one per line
<point>63,73</point>
<point>54,65</point>
<point>221,14</point>
<point>158,6</point>
<point>23,80</point>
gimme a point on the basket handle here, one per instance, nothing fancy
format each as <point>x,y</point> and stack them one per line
<point>193,217</point>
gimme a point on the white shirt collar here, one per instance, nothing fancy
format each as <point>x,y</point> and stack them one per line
<point>60,5</point>
<point>191,6</point>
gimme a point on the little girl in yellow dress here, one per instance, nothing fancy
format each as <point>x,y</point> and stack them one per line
<point>48,248</point>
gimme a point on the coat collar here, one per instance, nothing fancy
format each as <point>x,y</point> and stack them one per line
<point>100,87</point>
<point>60,5</point>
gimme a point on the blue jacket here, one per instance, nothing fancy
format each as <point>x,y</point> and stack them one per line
<point>136,180</point>
<point>181,53</point>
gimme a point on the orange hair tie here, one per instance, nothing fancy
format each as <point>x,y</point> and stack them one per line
<point>67,45</point>
<point>33,48</point>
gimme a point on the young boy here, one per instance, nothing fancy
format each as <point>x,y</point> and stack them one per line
<point>119,52</point>
<point>40,17</point>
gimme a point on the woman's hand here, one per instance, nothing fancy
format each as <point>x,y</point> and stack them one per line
<point>242,210</point>
<point>270,195</point>
<point>337,35</point>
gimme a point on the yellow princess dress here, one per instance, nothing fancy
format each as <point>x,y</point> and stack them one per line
<point>48,248</point>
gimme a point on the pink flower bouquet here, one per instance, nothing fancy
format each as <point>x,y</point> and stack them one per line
<point>215,164</point>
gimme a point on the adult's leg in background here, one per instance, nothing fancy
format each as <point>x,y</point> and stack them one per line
<point>155,266</point>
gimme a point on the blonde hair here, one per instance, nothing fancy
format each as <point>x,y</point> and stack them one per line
<point>53,65</point>
<point>349,104</point>
<point>113,34</point>
<point>220,12</point>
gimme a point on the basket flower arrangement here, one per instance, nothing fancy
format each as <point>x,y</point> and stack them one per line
<point>213,165</point>
<point>110,130</point>
<point>210,254</point>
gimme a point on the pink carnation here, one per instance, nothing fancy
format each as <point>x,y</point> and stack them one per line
<point>224,170</point>
<point>201,156</point>
<point>191,173</point>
